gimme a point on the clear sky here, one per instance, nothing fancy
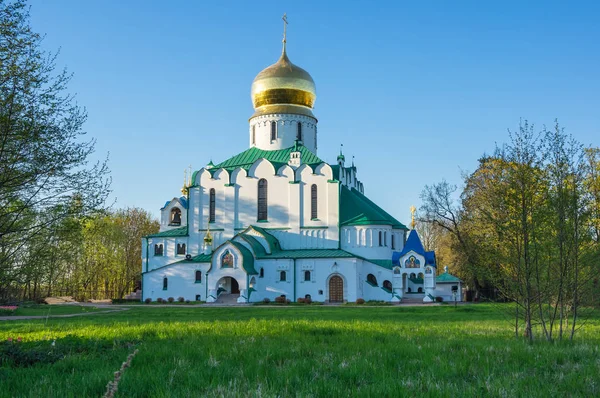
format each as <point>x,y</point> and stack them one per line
<point>417,91</point>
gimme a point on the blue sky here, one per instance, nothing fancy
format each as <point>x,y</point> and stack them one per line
<point>416,91</point>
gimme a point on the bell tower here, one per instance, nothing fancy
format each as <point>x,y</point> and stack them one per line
<point>283,96</point>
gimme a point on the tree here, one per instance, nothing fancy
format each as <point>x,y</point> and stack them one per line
<point>44,157</point>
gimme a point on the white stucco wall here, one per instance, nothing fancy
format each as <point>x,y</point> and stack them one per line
<point>287,129</point>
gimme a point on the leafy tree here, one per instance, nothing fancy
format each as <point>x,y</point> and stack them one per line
<point>44,156</point>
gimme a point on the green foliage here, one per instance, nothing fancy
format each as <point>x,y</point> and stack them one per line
<point>303,351</point>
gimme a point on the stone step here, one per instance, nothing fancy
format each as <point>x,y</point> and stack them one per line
<point>226,298</point>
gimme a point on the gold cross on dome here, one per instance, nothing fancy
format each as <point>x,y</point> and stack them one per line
<point>285,22</point>
<point>413,210</point>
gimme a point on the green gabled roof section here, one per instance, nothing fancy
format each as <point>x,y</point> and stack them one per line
<point>278,157</point>
<point>357,209</point>
<point>272,241</point>
<point>256,246</point>
<point>447,278</point>
<point>248,258</point>
<point>181,231</point>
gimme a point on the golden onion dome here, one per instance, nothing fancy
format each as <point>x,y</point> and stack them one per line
<point>283,86</point>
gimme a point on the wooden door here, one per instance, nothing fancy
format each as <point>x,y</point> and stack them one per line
<point>336,289</point>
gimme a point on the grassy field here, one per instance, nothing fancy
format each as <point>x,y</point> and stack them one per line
<point>46,310</point>
<point>295,351</point>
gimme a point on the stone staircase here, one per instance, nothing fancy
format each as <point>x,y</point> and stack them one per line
<point>137,295</point>
<point>413,299</point>
<point>227,298</point>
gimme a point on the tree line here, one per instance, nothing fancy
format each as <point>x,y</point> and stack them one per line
<point>56,236</point>
<point>525,227</point>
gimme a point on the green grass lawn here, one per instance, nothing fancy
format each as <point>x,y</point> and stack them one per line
<point>295,351</point>
<point>45,310</point>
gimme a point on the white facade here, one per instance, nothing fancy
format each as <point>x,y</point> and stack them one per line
<point>277,220</point>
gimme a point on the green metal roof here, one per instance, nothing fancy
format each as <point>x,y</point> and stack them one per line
<point>382,263</point>
<point>447,278</point>
<point>200,258</point>
<point>181,231</point>
<point>278,157</point>
<point>256,246</point>
<point>272,241</point>
<point>248,259</point>
<point>357,209</point>
<point>310,253</point>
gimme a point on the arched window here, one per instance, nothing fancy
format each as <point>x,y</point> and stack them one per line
<point>158,250</point>
<point>261,273</point>
<point>313,202</point>
<point>420,275</point>
<point>393,242</point>
<point>254,134</point>
<point>165,283</point>
<point>397,271</point>
<point>420,290</point>
<point>175,216</point>
<point>252,282</point>
<point>412,276</point>
<point>211,209</point>
<point>299,133</point>
<point>306,276</point>
<point>227,260</point>
<point>181,248</point>
<point>198,276</point>
<point>372,280</point>
<point>273,131</point>
<point>387,285</point>
<point>262,200</point>
<point>282,276</point>
<point>409,290</point>
<point>385,238</point>
<point>380,241</point>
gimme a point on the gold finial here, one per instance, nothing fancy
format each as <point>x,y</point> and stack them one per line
<point>184,189</point>
<point>413,210</point>
<point>285,22</point>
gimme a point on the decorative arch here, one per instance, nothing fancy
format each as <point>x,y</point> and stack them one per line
<point>262,200</point>
<point>252,282</point>
<point>397,271</point>
<point>336,286</point>
<point>175,218</point>
<point>387,285</point>
<point>212,205</point>
<point>227,259</point>
<point>372,280</point>
<point>314,214</point>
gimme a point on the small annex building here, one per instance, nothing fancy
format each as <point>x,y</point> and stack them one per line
<point>278,220</point>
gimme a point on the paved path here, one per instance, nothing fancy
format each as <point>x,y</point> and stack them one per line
<point>25,317</point>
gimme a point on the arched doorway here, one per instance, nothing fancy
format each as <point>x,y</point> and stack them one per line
<point>228,285</point>
<point>336,289</point>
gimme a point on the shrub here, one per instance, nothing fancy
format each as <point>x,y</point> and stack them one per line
<point>159,300</point>
<point>187,301</point>
<point>148,300</point>
<point>360,301</point>
<point>266,300</point>
<point>180,299</point>
<point>280,300</point>
<point>170,299</point>
<point>301,300</point>
<point>288,301</point>
<point>439,299</point>
<point>308,300</point>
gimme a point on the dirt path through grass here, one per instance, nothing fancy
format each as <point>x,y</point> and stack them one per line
<point>25,317</point>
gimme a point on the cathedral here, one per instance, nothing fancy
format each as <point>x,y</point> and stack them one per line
<point>276,220</point>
